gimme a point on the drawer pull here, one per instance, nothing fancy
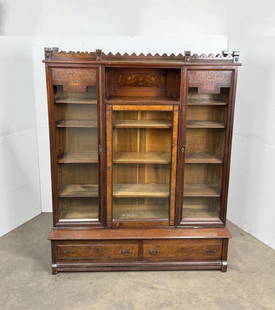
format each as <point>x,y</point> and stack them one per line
<point>211,251</point>
<point>68,251</point>
<point>154,252</point>
<point>126,252</point>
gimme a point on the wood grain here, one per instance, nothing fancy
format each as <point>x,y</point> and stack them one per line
<point>142,158</point>
<point>70,158</point>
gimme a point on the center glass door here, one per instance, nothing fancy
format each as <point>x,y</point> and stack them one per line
<point>142,150</point>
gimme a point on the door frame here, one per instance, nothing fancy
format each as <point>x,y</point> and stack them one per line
<point>109,164</point>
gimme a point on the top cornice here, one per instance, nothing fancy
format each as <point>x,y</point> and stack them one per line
<point>53,54</point>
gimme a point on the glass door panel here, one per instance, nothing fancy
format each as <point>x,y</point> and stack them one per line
<point>77,139</point>
<point>206,118</point>
<point>142,148</point>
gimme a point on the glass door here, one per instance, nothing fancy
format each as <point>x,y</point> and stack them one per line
<point>206,122</point>
<point>141,156</point>
<point>77,159</point>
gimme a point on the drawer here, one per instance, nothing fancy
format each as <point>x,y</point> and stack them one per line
<point>89,250</point>
<point>184,250</point>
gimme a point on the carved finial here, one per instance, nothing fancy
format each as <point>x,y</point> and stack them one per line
<point>98,53</point>
<point>187,55</point>
<point>48,51</point>
<point>225,53</point>
<point>236,55</point>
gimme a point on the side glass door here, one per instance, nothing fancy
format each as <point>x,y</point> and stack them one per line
<point>76,143</point>
<point>141,155</point>
<point>206,126</point>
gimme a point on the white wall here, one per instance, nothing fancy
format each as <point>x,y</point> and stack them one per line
<point>19,177</point>
<point>252,183</point>
<point>114,17</point>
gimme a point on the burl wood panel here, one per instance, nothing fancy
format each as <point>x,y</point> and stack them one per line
<point>108,250</point>
<point>209,81</point>
<point>74,80</point>
<point>185,250</point>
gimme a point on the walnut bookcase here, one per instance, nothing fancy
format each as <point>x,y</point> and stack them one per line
<point>140,156</point>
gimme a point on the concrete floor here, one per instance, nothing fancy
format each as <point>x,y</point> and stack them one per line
<point>26,281</point>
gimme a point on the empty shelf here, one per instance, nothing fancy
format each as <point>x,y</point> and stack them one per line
<point>142,100</point>
<point>78,190</point>
<point>75,100</point>
<point>204,124</point>
<point>80,213</point>
<point>71,158</point>
<point>197,101</point>
<point>77,123</point>
<point>142,211</point>
<point>141,158</point>
<point>142,124</point>
<point>202,158</point>
<point>141,190</point>
<point>201,190</point>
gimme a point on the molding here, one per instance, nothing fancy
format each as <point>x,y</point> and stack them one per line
<point>53,54</point>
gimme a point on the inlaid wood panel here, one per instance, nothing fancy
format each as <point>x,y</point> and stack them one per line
<point>74,80</point>
<point>209,81</point>
<point>183,250</point>
<point>111,250</point>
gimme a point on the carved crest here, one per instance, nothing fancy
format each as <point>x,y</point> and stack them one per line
<point>74,80</point>
<point>209,81</point>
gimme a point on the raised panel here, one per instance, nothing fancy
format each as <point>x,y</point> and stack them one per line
<point>209,81</point>
<point>184,250</point>
<point>109,250</point>
<point>74,80</point>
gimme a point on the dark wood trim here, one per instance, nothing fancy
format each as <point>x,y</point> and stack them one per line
<point>145,233</point>
<point>228,145</point>
<point>140,266</point>
<point>109,152</point>
<point>53,145</point>
<point>181,144</point>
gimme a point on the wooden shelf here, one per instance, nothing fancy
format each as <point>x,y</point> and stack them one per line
<point>144,211</point>
<point>141,158</point>
<point>191,213</point>
<point>202,158</point>
<point>75,100</point>
<point>142,124</point>
<point>141,190</point>
<point>78,158</point>
<point>201,190</point>
<point>142,100</point>
<point>77,123</point>
<point>78,190</point>
<point>204,124</point>
<point>200,102</point>
<point>80,213</point>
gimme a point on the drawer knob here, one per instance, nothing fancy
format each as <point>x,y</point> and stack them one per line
<point>154,252</point>
<point>68,251</point>
<point>211,251</point>
<point>126,252</point>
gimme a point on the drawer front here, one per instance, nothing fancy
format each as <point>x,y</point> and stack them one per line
<point>184,250</point>
<point>96,250</point>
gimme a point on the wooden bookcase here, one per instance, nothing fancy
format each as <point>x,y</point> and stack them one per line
<point>140,156</point>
